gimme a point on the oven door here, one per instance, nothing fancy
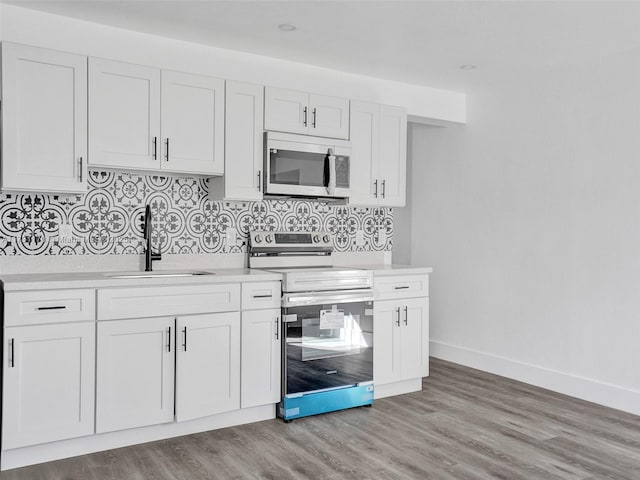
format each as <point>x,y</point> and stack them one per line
<point>304,169</point>
<point>327,344</point>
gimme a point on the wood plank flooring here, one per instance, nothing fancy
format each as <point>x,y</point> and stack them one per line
<point>465,425</point>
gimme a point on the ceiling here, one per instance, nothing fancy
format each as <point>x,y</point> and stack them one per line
<point>420,42</point>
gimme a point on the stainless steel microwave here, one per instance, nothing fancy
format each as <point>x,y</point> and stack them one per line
<point>303,166</point>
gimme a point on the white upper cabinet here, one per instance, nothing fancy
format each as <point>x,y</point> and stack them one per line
<point>329,116</point>
<point>300,112</point>
<point>286,110</point>
<point>142,118</point>
<point>192,123</point>
<point>44,120</point>
<point>365,127</point>
<point>208,365</point>
<point>49,378</point>
<point>244,139</point>
<point>392,165</point>
<point>378,155</point>
<point>124,115</point>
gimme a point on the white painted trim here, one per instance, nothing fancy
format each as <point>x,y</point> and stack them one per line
<point>47,452</point>
<point>588,389</point>
<point>397,388</point>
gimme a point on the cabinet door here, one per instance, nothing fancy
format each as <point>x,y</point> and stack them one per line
<point>48,391</point>
<point>365,124</point>
<point>261,354</point>
<point>328,116</point>
<point>286,110</point>
<point>192,123</point>
<point>44,119</point>
<point>124,115</point>
<point>386,342</point>
<point>135,373</point>
<point>208,365</point>
<point>412,347</point>
<point>392,170</point>
<point>244,113</point>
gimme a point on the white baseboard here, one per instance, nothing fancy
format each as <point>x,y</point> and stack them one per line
<point>583,388</point>
<point>47,452</point>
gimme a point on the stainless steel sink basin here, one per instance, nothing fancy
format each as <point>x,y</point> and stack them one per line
<point>156,274</point>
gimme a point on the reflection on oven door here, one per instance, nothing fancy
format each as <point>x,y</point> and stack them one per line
<point>329,347</point>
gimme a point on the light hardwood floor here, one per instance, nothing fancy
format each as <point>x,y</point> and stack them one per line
<point>464,425</point>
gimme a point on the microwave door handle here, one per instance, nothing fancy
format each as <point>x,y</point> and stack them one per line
<point>331,188</point>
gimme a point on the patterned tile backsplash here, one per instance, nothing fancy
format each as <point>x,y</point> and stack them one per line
<point>107,220</point>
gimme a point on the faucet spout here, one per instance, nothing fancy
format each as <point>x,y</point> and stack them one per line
<point>149,256</point>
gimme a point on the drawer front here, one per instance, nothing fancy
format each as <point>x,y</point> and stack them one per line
<point>137,302</point>
<point>258,295</point>
<point>49,306</point>
<point>401,286</point>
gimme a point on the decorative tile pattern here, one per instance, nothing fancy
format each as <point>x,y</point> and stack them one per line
<point>108,219</point>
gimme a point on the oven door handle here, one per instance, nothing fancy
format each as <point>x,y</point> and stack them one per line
<point>323,298</point>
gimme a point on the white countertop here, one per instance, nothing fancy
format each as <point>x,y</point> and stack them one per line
<point>45,281</point>
<point>394,269</point>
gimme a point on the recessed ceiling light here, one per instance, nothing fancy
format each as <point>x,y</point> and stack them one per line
<point>468,67</point>
<point>287,27</point>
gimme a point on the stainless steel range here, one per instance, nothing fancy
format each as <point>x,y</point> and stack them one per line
<point>327,323</point>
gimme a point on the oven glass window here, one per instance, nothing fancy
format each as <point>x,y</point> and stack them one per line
<point>328,346</point>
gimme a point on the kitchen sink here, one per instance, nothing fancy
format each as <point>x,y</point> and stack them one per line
<point>156,274</point>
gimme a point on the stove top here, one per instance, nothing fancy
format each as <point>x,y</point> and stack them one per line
<point>304,258</point>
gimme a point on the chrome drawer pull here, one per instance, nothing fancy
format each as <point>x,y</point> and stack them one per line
<point>262,296</point>
<point>404,287</point>
<point>56,307</point>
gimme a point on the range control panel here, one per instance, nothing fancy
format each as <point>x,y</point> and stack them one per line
<point>291,239</point>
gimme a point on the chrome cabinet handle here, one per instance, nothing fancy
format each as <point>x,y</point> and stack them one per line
<point>304,122</point>
<point>313,122</point>
<point>184,344</point>
<point>375,192</point>
<point>277,320</point>
<point>12,360</point>
<point>81,161</point>
<point>384,188</point>
<point>406,315</point>
<point>403,287</point>
<point>263,296</point>
<point>398,316</point>
<point>166,150</point>
<point>169,339</point>
<point>55,307</point>
<point>155,148</point>
<point>259,180</point>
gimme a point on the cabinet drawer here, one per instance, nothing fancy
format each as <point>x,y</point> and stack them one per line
<point>49,306</point>
<point>114,303</point>
<point>401,286</point>
<point>256,295</point>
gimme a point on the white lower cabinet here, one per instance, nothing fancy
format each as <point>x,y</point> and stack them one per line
<point>401,348</point>
<point>260,357</point>
<point>135,373</point>
<point>208,365</point>
<point>48,384</point>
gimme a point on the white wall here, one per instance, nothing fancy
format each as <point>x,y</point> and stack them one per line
<point>36,28</point>
<point>530,216</point>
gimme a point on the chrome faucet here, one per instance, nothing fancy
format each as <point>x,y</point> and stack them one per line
<point>149,256</point>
